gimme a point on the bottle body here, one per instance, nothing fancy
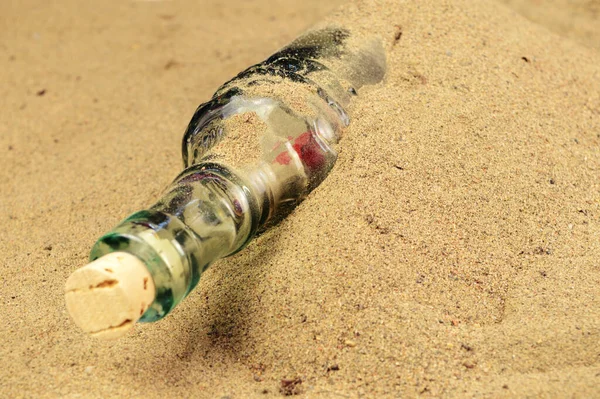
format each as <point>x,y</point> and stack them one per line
<point>252,153</point>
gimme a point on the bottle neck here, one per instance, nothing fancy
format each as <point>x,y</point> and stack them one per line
<point>206,214</point>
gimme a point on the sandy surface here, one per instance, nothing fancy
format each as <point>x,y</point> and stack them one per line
<point>578,20</point>
<point>454,250</point>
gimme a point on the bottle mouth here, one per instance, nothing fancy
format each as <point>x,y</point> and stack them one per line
<point>165,246</point>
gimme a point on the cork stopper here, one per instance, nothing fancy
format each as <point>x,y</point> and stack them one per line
<point>106,297</point>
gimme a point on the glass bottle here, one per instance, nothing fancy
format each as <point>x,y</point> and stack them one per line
<point>251,154</point>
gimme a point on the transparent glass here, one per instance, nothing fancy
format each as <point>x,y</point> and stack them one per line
<point>251,154</point>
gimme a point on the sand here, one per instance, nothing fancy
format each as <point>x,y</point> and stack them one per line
<point>453,251</point>
<point>578,20</point>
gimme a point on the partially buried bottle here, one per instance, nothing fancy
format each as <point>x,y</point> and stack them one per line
<point>251,154</point>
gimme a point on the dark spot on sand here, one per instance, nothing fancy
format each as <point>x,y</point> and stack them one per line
<point>397,34</point>
<point>291,387</point>
<point>466,347</point>
<point>333,367</point>
<point>468,364</point>
<point>420,76</point>
<point>370,219</point>
<point>542,251</point>
<point>41,92</point>
<point>171,64</point>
